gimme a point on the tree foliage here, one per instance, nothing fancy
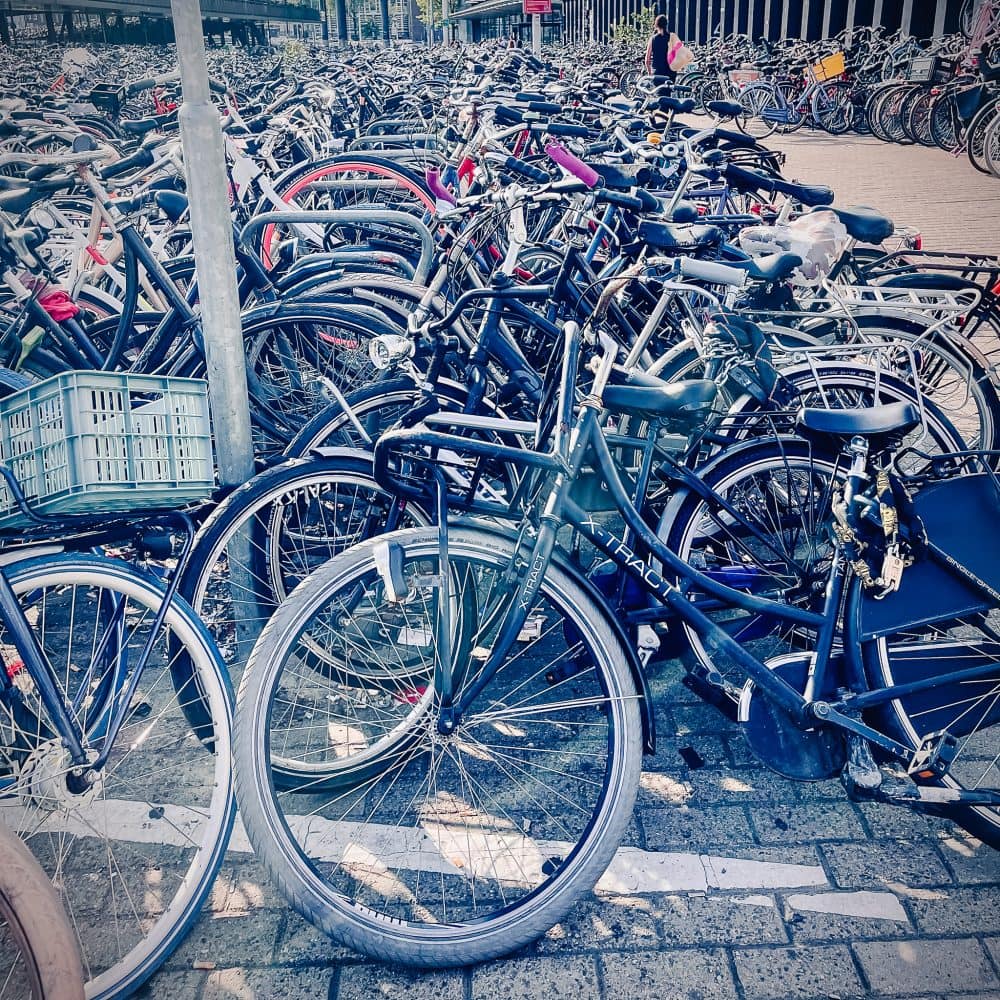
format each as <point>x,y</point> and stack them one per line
<point>634,30</point>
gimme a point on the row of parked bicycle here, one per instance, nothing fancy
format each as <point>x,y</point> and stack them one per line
<point>940,92</point>
<point>549,392</point>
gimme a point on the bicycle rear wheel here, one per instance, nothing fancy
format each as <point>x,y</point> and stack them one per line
<point>777,547</point>
<point>134,854</point>
<point>760,110</point>
<point>934,625</point>
<point>438,850</point>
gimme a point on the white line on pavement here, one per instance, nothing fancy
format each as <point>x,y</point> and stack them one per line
<point>632,871</point>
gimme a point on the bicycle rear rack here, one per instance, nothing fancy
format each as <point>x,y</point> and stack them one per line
<point>879,300</point>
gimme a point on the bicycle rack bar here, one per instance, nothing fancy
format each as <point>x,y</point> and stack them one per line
<point>362,218</point>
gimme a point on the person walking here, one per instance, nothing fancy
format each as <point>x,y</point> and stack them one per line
<point>656,50</point>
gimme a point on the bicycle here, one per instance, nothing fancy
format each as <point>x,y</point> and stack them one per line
<point>493,705</point>
<point>115,709</point>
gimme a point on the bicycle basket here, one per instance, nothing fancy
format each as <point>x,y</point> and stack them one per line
<point>741,78</point>
<point>931,69</point>
<point>109,98</point>
<point>829,68</point>
<point>95,442</point>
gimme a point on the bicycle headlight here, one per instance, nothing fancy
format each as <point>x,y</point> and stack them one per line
<point>387,350</point>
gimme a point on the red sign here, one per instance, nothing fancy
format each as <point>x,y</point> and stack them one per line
<point>537,6</point>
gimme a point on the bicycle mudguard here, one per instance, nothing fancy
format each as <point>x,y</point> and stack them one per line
<point>958,517</point>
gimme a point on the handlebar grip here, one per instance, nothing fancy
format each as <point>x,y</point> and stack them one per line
<point>595,149</point>
<point>649,201</point>
<point>620,199</point>
<point>746,179</point>
<point>529,171</point>
<point>572,164</point>
<point>127,164</point>
<point>712,272</point>
<point>153,81</point>
<point>508,116</point>
<point>437,188</point>
<point>524,95</point>
<point>568,129</point>
<point>544,107</point>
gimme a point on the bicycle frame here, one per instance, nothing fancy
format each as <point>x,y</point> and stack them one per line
<point>822,702</point>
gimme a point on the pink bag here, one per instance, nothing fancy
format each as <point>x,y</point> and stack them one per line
<point>679,56</point>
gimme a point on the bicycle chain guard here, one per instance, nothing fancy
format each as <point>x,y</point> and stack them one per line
<point>781,744</point>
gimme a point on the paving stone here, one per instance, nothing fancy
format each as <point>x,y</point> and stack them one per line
<point>895,823</point>
<point>711,752</point>
<point>971,861</point>
<point>679,975</point>
<point>959,911</point>
<point>807,927</point>
<point>701,830</point>
<point>827,916</point>
<point>913,966</point>
<point>721,919</point>
<point>263,984</point>
<point>243,888</point>
<point>617,922</point>
<point>993,947</point>
<point>300,943</point>
<point>178,985</point>
<point>797,972</point>
<point>698,717</point>
<point>871,865</point>
<point>374,982</point>
<point>790,824</point>
<point>739,786</point>
<point>573,978</point>
<point>656,789</point>
<point>231,940</point>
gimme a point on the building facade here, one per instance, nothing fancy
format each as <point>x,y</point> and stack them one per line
<point>698,20</point>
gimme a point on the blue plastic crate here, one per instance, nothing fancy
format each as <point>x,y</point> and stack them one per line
<point>96,442</point>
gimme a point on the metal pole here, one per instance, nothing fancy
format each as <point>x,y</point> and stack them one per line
<point>383,9</point>
<point>215,259</point>
<point>939,17</point>
<point>536,34</point>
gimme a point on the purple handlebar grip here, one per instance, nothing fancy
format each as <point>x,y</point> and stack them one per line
<point>572,164</point>
<point>438,189</point>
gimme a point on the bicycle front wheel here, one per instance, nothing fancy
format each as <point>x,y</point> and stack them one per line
<point>441,849</point>
<point>134,853</point>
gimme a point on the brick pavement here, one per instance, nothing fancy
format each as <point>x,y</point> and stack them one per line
<point>931,892</point>
<point>945,197</point>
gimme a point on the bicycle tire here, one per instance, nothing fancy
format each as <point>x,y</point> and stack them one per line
<point>198,770</point>
<point>580,840</point>
<point>409,192</point>
<point>832,107</point>
<point>786,494</point>
<point>975,137</point>
<point>305,497</point>
<point>46,958</point>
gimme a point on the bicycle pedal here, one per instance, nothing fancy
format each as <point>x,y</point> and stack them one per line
<point>860,773</point>
<point>934,756</point>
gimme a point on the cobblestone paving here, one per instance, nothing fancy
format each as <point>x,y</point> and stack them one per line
<point>927,891</point>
